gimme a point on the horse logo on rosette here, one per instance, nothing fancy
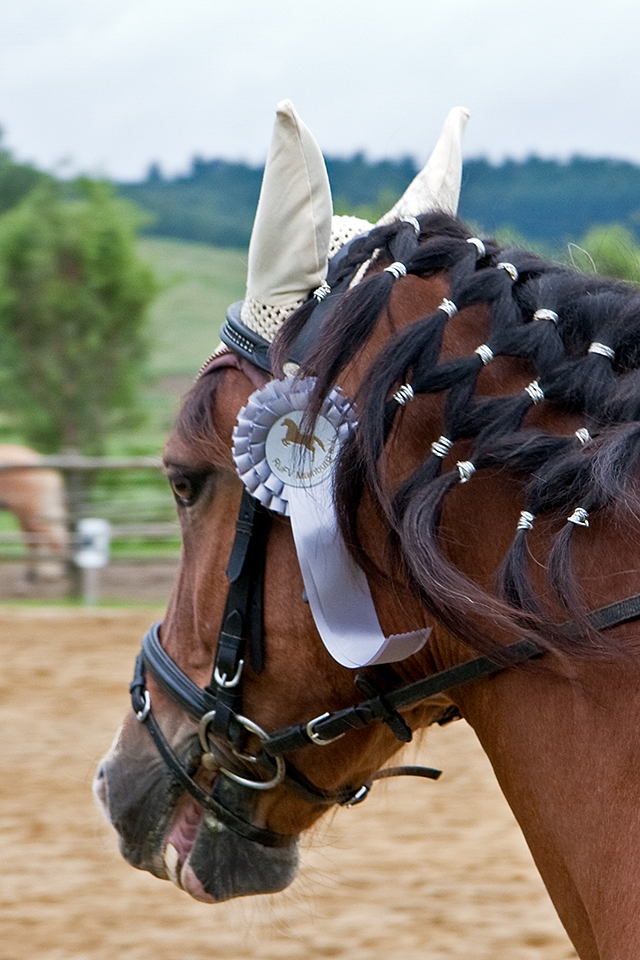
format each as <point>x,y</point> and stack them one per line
<point>297,456</point>
<point>296,436</point>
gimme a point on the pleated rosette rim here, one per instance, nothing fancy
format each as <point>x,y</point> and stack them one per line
<point>264,409</point>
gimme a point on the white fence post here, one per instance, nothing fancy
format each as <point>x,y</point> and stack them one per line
<point>94,539</point>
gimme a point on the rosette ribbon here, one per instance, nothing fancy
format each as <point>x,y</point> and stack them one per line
<point>288,465</point>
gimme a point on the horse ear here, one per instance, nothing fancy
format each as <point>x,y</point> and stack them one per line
<point>437,186</point>
<point>289,247</point>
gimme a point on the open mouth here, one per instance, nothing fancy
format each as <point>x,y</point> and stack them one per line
<point>179,843</point>
<point>212,862</point>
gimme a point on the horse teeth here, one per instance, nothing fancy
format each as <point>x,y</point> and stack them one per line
<point>172,863</point>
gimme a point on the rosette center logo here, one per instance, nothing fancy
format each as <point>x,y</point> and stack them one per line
<point>301,457</point>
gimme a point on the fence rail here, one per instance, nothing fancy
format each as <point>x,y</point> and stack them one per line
<point>75,462</point>
<point>132,538</point>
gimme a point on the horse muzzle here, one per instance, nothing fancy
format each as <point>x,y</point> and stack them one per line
<point>165,831</point>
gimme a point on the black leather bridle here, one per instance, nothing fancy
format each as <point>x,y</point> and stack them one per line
<point>202,705</point>
<point>223,730</point>
<point>217,707</point>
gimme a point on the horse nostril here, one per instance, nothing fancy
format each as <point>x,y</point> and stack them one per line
<point>100,790</point>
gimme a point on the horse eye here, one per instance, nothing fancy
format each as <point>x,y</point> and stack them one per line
<point>184,488</point>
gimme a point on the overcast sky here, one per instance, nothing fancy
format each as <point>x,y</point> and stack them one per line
<point>107,86</point>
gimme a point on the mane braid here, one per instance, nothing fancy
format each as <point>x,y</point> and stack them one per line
<point>577,336</point>
<point>353,321</point>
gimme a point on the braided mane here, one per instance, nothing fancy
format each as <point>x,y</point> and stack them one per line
<point>583,353</point>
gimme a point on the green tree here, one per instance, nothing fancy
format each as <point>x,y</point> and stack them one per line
<point>16,179</point>
<point>611,250</point>
<point>73,297</point>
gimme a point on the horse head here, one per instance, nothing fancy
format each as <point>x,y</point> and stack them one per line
<point>496,424</point>
<point>153,815</point>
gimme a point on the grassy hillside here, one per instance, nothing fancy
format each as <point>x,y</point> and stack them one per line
<point>198,282</point>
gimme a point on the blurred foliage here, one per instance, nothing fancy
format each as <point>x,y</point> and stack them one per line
<point>73,297</point>
<point>196,285</point>
<point>216,201</point>
<point>16,179</point>
<point>610,250</point>
<point>547,201</point>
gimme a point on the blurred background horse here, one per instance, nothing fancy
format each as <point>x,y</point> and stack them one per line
<point>35,495</point>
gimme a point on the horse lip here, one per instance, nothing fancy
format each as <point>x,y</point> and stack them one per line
<point>183,877</point>
<point>189,882</point>
<point>181,836</point>
<point>223,865</point>
<point>212,863</point>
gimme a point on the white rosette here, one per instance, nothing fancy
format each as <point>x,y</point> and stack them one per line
<point>271,449</point>
<point>288,465</point>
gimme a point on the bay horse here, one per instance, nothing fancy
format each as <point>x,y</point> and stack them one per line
<point>36,497</point>
<point>485,489</point>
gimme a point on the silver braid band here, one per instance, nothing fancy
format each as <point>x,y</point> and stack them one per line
<point>544,314</point>
<point>602,350</point>
<point>481,250</point>
<point>466,469</point>
<point>414,223</point>
<point>535,391</point>
<point>322,291</point>
<point>580,517</point>
<point>404,395</point>
<point>525,521</point>
<point>583,435</point>
<point>448,306</point>
<point>510,269</point>
<point>485,353</point>
<point>441,446</point>
<point>396,269</point>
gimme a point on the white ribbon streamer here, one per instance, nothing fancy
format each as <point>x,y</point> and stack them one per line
<point>291,472</point>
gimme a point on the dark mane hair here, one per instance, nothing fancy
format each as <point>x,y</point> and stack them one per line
<point>557,473</point>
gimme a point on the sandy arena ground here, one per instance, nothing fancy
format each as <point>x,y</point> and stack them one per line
<point>421,870</point>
